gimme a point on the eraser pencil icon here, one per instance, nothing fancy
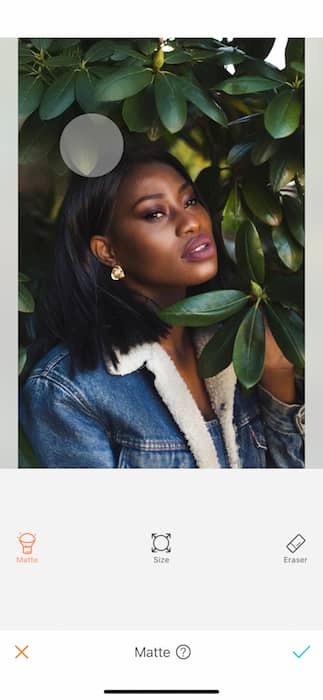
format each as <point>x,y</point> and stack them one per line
<point>295,543</point>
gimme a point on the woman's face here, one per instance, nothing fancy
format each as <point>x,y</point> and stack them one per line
<point>161,235</point>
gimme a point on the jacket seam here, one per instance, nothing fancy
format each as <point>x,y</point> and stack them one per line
<point>276,425</point>
<point>147,445</point>
<point>247,420</point>
<point>75,399</point>
<point>50,365</point>
<point>258,443</point>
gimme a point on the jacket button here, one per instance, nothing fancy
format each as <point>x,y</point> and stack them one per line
<point>300,420</point>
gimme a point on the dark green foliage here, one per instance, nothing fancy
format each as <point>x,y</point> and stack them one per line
<point>205,309</point>
<point>288,330</point>
<point>249,348</point>
<point>241,136</point>
<point>217,354</point>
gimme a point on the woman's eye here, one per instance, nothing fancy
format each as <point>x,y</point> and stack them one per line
<point>191,202</point>
<point>154,215</point>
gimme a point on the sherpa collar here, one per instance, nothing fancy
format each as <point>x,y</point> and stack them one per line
<point>176,395</point>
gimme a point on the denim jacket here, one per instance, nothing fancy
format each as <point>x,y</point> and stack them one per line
<point>142,415</point>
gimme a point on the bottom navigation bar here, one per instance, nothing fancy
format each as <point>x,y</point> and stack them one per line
<point>93,664</point>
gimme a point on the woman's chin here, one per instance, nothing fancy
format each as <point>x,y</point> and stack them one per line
<point>203,273</point>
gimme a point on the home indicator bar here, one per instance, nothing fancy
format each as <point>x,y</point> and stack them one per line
<point>176,691</point>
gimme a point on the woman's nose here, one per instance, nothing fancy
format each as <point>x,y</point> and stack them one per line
<point>187,222</point>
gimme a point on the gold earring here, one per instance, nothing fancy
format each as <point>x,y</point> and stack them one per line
<point>117,273</point>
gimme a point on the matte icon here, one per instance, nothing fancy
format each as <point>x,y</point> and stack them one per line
<point>27,541</point>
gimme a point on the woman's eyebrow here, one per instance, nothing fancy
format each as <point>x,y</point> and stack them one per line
<point>157,195</point>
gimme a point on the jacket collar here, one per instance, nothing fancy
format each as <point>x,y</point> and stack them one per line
<point>179,400</point>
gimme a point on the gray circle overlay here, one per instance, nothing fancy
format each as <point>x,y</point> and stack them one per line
<point>91,145</point>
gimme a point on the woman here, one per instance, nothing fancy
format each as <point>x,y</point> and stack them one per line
<point>119,387</point>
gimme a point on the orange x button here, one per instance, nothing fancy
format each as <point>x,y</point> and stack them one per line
<point>21,652</point>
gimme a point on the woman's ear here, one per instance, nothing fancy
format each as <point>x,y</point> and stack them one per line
<point>103,250</point>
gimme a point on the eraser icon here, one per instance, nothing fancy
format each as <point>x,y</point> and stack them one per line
<point>295,543</point>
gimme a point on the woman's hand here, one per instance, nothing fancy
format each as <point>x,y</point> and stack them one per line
<point>278,375</point>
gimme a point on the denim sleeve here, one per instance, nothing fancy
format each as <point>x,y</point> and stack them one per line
<point>284,428</point>
<point>61,427</point>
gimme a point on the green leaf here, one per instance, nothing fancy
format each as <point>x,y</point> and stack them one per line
<point>217,354</point>
<point>41,43</point>
<point>200,55</point>
<point>147,46</point>
<point>211,189</point>
<point>298,66</point>
<point>122,53</point>
<point>85,91</point>
<point>37,138</point>
<point>170,103</point>
<point>294,50</point>
<point>263,68</point>
<point>177,56</point>
<point>205,309</point>
<point>102,70</point>
<point>123,82</point>
<point>259,47</point>
<point>282,169</point>
<point>55,161</point>
<point>58,96</point>
<point>26,302</point>
<point>262,151</point>
<point>287,328</point>
<point>203,102</point>
<point>239,151</point>
<point>282,116</point>
<point>247,84</point>
<point>229,55</point>
<point>245,120</point>
<point>290,252</point>
<point>25,56</point>
<point>233,216</point>
<point>249,252</point>
<point>139,111</point>
<point>27,456</point>
<point>294,212</point>
<point>23,278</point>
<point>22,359</point>
<point>62,44</point>
<point>287,289</point>
<point>30,94</point>
<point>63,61</point>
<point>262,202</point>
<point>207,44</point>
<point>100,51</point>
<point>249,348</point>
<point>300,182</point>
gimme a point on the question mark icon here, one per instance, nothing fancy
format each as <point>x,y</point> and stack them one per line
<point>183,651</point>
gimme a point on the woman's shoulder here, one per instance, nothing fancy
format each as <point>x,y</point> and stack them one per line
<point>56,361</point>
<point>53,381</point>
<point>56,367</point>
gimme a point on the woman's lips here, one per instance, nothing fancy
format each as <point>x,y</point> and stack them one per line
<point>199,248</point>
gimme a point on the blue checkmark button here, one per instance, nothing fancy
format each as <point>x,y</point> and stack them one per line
<point>299,656</point>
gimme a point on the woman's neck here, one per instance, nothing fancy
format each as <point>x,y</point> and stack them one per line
<point>177,344</point>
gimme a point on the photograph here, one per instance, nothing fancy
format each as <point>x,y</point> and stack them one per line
<point>161,253</point>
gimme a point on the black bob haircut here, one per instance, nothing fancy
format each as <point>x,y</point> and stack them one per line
<point>84,308</point>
